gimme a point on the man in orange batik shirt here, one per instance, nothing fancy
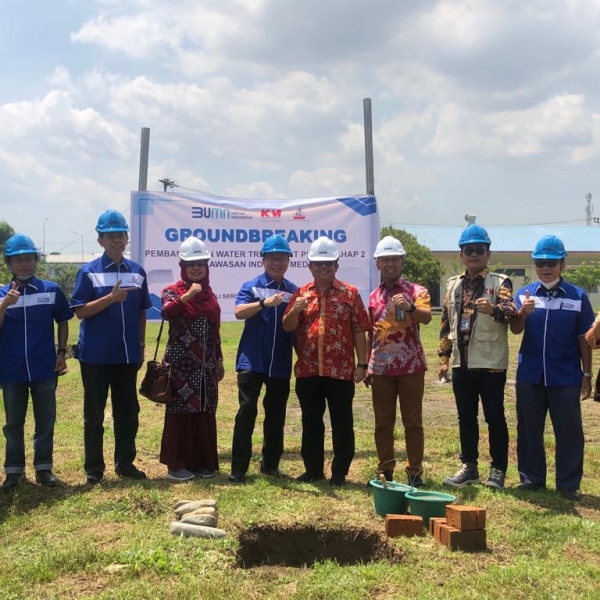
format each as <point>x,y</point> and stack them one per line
<point>329,321</point>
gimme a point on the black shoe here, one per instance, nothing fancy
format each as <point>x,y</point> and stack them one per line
<point>527,486</point>
<point>570,494</point>
<point>415,481</point>
<point>337,480</point>
<point>45,477</point>
<point>131,472</point>
<point>272,472</point>
<point>12,481</point>
<point>94,478</point>
<point>388,474</point>
<point>310,477</point>
<point>237,478</point>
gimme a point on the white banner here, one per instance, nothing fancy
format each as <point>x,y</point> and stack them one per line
<point>234,230</point>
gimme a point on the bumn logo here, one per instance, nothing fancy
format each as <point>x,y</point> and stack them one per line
<point>207,212</point>
<point>270,213</point>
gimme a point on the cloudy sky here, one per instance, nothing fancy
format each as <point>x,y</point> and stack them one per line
<point>481,106</point>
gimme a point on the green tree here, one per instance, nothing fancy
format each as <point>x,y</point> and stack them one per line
<point>5,232</point>
<point>65,275</point>
<point>586,276</point>
<point>420,265</point>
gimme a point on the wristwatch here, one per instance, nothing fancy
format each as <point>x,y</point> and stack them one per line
<point>262,302</point>
<point>587,375</point>
<point>412,308</point>
<point>362,365</point>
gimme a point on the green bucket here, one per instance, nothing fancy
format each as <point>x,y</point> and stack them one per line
<point>390,500</point>
<point>428,504</point>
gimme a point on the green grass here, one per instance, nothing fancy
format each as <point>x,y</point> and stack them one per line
<point>112,541</point>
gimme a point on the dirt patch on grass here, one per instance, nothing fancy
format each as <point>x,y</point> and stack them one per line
<point>270,545</point>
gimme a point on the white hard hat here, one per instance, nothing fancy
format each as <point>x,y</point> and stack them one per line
<point>323,249</point>
<point>389,246</point>
<point>193,249</point>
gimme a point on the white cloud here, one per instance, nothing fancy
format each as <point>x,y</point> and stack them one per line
<point>256,189</point>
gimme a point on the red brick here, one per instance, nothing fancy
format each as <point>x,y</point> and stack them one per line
<point>434,523</point>
<point>403,525</point>
<point>465,518</point>
<point>468,541</point>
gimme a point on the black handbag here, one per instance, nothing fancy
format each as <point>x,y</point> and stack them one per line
<point>156,385</point>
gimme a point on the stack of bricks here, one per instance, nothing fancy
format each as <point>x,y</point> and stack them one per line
<point>403,525</point>
<point>462,529</point>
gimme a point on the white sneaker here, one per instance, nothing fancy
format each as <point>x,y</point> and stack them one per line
<point>181,475</point>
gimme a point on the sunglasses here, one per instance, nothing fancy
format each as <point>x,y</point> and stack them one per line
<point>470,250</point>
<point>540,264</point>
<point>196,263</point>
<point>323,263</point>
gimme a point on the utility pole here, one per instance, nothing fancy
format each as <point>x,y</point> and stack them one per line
<point>369,164</point>
<point>168,183</point>
<point>44,236</point>
<point>589,209</point>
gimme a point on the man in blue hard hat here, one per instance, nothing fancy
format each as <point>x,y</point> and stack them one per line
<point>30,363</point>
<point>264,358</point>
<point>478,306</point>
<point>111,299</point>
<point>554,371</point>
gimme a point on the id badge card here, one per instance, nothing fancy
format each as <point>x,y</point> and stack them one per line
<point>465,323</point>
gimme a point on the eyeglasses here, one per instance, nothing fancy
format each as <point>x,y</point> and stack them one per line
<point>277,259</point>
<point>540,264</point>
<point>470,250</point>
<point>196,263</point>
<point>324,263</point>
<point>24,258</point>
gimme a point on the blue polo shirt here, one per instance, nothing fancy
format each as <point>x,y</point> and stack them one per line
<point>549,353</point>
<point>27,351</point>
<point>264,346</point>
<point>113,335</point>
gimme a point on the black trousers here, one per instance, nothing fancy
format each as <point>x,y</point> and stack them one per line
<point>275,400</point>
<point>469,385</point>
<point>313,393</point>
<point>122,381</point>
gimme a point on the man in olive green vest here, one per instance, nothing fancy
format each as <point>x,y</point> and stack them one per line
<point>478,307</point>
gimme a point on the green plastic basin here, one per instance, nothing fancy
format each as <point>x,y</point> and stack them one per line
<point>428,504</point>
<point>390,500</point>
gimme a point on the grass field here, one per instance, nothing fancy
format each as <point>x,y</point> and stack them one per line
<point>113,541</point>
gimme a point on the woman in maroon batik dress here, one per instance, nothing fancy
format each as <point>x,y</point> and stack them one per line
<point>189,441</point>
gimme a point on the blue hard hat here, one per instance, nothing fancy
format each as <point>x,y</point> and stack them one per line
<point>275,243</point>
<point>549,247</point>
<point>19,244</point>
<point>474,234</point>
<point>111,220</point>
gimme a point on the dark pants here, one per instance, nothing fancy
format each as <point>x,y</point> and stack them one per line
<point>122,381</point>
<point>313,393</point>
<point>16,399</point>
<point>469,385</point>
<point>564,405</point>
<point>274,404</point>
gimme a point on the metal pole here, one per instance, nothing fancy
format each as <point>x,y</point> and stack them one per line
<point>144,154</point>
<point>369,146</point>
<point>44,236</point>
<point>82,258</point>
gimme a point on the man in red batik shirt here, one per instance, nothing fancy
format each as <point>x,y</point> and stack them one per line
<point>329,321</point>
<point>397,362</point>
